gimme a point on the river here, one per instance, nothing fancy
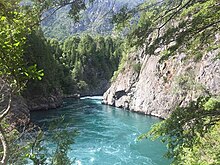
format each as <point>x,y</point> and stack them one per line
<point>107,135</point>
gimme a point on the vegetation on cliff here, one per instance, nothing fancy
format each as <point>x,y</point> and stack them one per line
<point>77,65</point>
<point>14,27</point>
<point>73,66</point>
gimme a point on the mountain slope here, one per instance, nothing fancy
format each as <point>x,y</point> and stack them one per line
<point>95,19</point>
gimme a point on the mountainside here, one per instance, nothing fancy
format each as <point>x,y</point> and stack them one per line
<point>157,88</point>
<point>95,19</point>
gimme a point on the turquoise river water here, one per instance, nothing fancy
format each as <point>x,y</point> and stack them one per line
<point>107,135</point>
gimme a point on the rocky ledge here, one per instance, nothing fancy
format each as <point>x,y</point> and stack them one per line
<point>44,103</point>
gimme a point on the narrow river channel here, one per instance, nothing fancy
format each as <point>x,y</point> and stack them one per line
<point>107,135</point>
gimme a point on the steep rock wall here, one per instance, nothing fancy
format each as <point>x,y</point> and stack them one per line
<point>159,87</point>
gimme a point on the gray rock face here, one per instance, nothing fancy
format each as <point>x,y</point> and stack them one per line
<point>158,88</point>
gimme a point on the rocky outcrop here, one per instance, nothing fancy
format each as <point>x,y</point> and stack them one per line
<point>41,96</point>
<point>52,101</point>
<point>159,87</point>
<point>18,115</point>
<point>20,106</point>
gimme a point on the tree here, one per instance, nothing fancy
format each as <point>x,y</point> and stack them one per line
<point>189,130</point>
<point>70,52</point>
<point>14,27</point>
<point>55,48</point>
<point>17,20</point>
<point>190,24</point>
<point>86,47</point>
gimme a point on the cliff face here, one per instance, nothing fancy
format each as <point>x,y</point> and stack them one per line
<point>159,87</point>
<point>19,115</point>
<point>20,107</point>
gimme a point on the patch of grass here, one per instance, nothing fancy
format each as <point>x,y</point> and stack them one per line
<point>197,57</point>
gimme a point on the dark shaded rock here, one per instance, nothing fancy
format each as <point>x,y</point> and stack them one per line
<point>19,114</point>
<point>96,90</point>
<point>119,94</point>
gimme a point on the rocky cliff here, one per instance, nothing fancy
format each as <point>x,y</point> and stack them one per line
<point>157,88</point>
<point>19,115</point>
<point>20,106</point>
<point>52,101</point>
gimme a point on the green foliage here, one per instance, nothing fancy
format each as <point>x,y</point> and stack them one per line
<point>82,85</point>
<point>212,103</point>
<point>190,132</point>
<point>206,152</point>
<point>122,17</point>
<point>37,152</point>
<point>90,59</point>
<point>39,53</point>
<point>14,27</point>
<point>17,152</point>
<point>28,146</point>
<point>63,139</point>
<point>25,54</point>
<point>125,50</point>
<point>198,57</point>
<point>191,25</point>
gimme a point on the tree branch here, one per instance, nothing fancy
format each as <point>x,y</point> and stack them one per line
<point>172,16</point>
<point>4,142</point>
<point>169,10</point>
<point>6,110</point>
